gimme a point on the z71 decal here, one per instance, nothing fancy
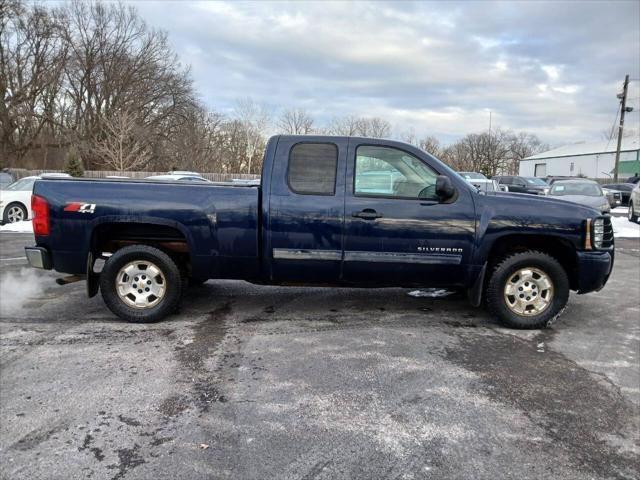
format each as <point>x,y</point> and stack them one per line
<point>80,207</point>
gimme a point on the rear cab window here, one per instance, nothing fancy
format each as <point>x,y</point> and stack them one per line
<point>312,168</point>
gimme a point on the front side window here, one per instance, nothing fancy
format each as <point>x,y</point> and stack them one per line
<point>312,168</point>
<point>389,172</point>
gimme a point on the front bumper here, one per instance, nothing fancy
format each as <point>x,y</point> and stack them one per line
<point>594,269</point>
<point>38,257</point>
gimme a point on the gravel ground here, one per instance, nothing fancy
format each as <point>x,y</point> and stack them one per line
<point>264,382</point>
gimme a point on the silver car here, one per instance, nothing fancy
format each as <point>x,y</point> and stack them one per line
<point>634,204</point>
<point>584,192</point>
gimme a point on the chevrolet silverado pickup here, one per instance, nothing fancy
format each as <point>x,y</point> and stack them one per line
<point>331,211</point>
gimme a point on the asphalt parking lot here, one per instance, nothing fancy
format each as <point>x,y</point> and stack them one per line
<point>264,382</point>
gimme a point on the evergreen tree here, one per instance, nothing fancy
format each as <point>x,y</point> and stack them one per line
<point>73,164</point>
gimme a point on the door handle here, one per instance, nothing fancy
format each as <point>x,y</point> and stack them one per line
<point>367,214</point>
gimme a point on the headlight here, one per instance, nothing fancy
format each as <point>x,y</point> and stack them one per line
<point>598,232</point>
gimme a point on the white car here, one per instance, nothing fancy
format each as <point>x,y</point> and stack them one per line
<point>634,204</point>
<point>15,200</point>
<point>179,177</point>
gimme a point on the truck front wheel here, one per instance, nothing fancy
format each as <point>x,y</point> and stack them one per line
<point>141,284</point>
<point>527,290</point>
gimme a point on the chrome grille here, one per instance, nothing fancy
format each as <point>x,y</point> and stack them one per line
<point>607,239</point>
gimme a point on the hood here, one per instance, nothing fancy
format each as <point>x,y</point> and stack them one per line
<point>553,203</point>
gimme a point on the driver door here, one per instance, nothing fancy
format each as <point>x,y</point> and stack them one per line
<point>396,230</point>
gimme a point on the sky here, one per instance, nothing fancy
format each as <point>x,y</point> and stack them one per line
<point>549,68</point>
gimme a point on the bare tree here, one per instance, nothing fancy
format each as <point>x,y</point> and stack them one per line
<point>196,144</point>
<point>117,64</point>
<point>123,146</point>
<point>295,121</point>
<point>347,126</point>
<point>522,145</point>
<point>375,127</point>
<point>254,119</point>
<point>360,126</point>
<point>32,58</point>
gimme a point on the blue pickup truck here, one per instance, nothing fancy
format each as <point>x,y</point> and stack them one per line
<point>322,216</point>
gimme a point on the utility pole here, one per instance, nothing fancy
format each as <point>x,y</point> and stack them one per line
<point>623,109</point>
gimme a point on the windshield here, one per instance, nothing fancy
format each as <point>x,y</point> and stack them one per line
<point>472,176</point>
<point>536,181</point>
<point>22,184</point>
<point>586,189</point>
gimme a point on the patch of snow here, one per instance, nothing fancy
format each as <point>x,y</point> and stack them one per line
<point>430,293</point>
<point>624,210</point>
<point>623,228</point>
<point>19,227</point>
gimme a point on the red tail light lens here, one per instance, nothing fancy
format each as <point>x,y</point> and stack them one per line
<point>40,209</point>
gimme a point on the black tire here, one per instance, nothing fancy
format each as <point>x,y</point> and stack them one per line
<point>11,206</point>
<point>169,302</point>
<point>632,216</point>
<point>506,268</point>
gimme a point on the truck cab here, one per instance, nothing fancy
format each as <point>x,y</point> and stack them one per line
<point>363,211</point>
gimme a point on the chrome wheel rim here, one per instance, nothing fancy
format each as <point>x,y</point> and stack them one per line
<point>15,214</point>
<point>528,292</point>
<point>141,284</point>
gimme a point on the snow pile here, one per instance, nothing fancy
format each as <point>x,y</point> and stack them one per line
<point>430,293</point>
<point>16,289</point>
<point>623,228</point>
<point>624,210</point>
<point>20,227</point>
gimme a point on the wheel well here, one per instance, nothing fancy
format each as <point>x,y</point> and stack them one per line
<point>110,237</point>
<point>19,203</point>
<point>558,248</point>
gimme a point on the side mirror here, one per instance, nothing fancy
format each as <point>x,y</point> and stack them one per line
<point>444,188</point>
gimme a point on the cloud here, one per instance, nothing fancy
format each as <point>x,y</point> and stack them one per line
<point>552,68</point>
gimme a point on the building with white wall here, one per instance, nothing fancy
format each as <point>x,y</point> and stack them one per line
<point>593,160</point>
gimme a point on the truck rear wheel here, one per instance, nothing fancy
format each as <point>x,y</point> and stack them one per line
<point>527,290</point>
<point>141,284</point>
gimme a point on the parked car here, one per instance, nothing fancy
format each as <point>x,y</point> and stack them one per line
<point>613,196</point>
<point>584,192</point>
<point>484,185</point>
<point>15,200</point>
<point>6,179</point>
<point>473,175</point>
<point>634,204</point>
<point>635,179</point>
<point>179,177</point>
<point>552,179</point>
<point>623,188</point>
<point>517,184</point>
<point>309,223</point>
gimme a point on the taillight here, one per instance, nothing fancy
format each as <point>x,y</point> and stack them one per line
<point>40,209</point>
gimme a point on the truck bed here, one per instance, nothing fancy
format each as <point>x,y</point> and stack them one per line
<point>219,223</point>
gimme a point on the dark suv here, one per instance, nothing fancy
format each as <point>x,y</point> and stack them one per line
<point>532,185</point>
